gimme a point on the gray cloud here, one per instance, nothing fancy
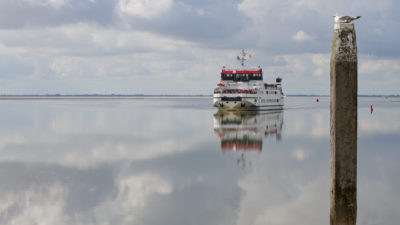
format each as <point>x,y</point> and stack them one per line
<point>22,13</point>
<point>198,21</point>
<point>269,25</point>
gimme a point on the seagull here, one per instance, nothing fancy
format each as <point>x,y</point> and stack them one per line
<point>344,19</point>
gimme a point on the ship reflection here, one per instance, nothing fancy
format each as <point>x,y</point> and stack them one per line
<point>244,131</point>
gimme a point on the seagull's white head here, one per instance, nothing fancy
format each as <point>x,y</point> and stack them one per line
<point>336,17</point>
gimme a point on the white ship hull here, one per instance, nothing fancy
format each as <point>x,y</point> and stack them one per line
<point>245,102</point>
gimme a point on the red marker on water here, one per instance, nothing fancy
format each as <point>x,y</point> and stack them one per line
<point>317,100</point>
<point>372,109</point>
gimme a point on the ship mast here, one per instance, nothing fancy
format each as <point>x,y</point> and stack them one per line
<point>243,57</point>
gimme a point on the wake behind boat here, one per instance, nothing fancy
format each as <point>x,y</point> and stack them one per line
<point>244,89</point>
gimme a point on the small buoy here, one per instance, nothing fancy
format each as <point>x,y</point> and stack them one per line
<point>372,109</point>
<point>317,100</point>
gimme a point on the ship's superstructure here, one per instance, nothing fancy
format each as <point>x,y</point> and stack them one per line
<point>244,89</point>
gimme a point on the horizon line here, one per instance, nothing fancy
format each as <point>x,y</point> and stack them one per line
<point>171,95</point>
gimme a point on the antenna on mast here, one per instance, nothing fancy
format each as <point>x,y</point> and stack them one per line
<point>244,57</point>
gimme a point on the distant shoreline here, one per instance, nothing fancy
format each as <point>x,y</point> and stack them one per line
<point>140,96</point>
<point>97,97</point>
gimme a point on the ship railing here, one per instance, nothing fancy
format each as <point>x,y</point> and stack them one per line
<point>235,91</point>
<point>241,68</point>
<point>271,85</point>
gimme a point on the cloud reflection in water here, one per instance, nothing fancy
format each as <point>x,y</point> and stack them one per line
<point>150,162</point>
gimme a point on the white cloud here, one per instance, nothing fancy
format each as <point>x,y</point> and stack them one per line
<point>302,36</point>
<point>88,51</point>
<point>133,191</point>
<point>257,9</point>
<point>105,133</point>
<point>286,191</point>
<point>321,63</point>
<point>297,65</point>
<point>378,75</point>
<point>133,194</point>
<point>303,65</point>
<point>86,38</point>
<point>380,66</point>
<point>35,206</point>
<point>144,8</point>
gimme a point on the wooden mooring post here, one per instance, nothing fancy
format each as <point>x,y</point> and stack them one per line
<point>343,161</point>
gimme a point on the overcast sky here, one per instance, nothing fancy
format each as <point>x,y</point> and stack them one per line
<point>179,46</point>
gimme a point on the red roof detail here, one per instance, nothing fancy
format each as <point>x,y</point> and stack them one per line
<point>241,71</point>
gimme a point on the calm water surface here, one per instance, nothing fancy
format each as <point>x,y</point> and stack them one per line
<point>179,162</point>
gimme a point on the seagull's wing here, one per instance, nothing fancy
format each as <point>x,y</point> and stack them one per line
<point>345,18</point>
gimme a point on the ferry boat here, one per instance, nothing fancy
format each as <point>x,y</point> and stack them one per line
<point>244,89</point>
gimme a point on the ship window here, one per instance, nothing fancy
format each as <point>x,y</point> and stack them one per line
<point>226,76</point>
<point>255,76</point>
<point>241,77</point>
